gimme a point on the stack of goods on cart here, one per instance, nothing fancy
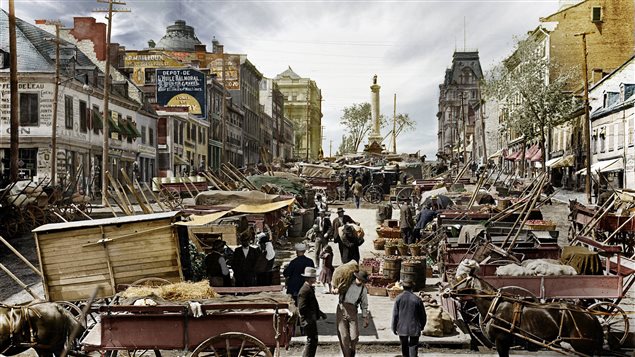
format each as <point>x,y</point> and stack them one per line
<point>27,192</point>
<point>536,267</point>
<point>438,321</point>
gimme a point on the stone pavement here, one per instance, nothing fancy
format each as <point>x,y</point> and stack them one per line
<point>379,330</point>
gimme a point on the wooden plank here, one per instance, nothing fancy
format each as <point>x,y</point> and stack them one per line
<point>145,198</point>
<point>134,192</point>
<point>156,199</point>
<point>78,280</point>
<point>146,266</point>
<point>39,257</point>
<point>79,292</point>
<point>121,202</point>
<point>146,273</point>
<point>80,248</point>
<point>138,252</point>
<point>119,228</point>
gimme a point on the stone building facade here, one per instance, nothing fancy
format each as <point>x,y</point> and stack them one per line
<point>303,106</point>
<point>459,97</point>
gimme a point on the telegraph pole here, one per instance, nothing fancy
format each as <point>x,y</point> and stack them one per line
<point>394,125</point>
<point>57,25</point>
<point>14,123</point>
<point>464,132</point>
<point>106,129</point>
<point>308,118</point>
<point>587,129</point>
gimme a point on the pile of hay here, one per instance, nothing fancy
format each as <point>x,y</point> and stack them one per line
<point>183,291</point>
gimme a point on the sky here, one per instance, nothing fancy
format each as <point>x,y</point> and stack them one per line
<point>338,43</point>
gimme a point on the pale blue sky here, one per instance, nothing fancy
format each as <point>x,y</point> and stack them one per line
<point>339,44</point>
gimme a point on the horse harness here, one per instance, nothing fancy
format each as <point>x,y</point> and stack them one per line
<point>14,316</point>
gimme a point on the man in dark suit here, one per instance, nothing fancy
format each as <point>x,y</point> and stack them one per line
<point>244,262</point>
<point>339,221</point>
<point>323,222</point>
<point>309,311</point>
<point>293,272</point>
<point>408,319</point>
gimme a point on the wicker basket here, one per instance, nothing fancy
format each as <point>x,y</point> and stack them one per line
<point>376,291</point>
<point>404,250</point>
<point>379,244</point>
<point>415,250</point>
<point>393,293</point>
<point>390,249</point>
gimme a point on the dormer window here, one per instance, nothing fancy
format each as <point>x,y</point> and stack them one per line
<point>596,14</point>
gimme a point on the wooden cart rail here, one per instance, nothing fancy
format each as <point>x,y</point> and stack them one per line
<point>171,327</point>
<point>563,286</point>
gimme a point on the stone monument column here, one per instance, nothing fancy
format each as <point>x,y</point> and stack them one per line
<point>375,135</point>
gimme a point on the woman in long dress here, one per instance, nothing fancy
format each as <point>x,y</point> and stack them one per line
<point>326,273</point>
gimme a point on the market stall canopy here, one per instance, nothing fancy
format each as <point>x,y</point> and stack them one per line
<point>537,156</point>
<point>243,208</point>
<point>551,162</point>
<point>496,155</point>
<point>203,219</point>
<point>604,166</point>
<point>566,161</point>
<point>292,184</point>
<point>234,198</point>
<point>321,171</point>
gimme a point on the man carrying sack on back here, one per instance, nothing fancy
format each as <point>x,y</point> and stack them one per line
<point>346,313</point>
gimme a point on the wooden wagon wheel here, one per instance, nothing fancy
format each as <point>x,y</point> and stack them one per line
<point>74,310</point>
<point>614,322</point>
<point>234,344</point>
<point>151,281</point>
<point>170,197</point>
<point>518,292</point>
<point>85,207</point>
<point>37,214</point>
<point>373,195</point>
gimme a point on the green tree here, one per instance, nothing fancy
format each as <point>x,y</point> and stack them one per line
<point>403,123</point>
<point>357,121</point>
<point>533,91</point>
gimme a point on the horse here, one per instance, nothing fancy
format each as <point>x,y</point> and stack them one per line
<point>508,320</point>
<point>44,326</point>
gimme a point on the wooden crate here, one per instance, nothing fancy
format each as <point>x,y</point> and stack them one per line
<point>376,291</point>
<point>78,257</point>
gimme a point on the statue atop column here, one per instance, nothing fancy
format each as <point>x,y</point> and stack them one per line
<point>375,138</point>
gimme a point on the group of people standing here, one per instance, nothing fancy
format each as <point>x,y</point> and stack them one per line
<point>252,265</point>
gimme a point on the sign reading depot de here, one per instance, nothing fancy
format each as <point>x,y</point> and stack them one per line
<point>183,87</point>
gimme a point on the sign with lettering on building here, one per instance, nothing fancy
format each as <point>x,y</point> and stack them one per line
<point>231,65</point>
<point>182,87</point>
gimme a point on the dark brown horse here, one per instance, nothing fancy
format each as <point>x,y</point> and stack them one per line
<point>508,321</point>
<point>43,326</point>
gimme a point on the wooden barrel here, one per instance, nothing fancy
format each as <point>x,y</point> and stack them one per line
<point>414,271</point>
<point>503,204</point>
<point>392,267</point>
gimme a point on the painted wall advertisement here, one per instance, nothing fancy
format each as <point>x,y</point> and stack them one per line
<point>216,61</point>
<point>183,87</point>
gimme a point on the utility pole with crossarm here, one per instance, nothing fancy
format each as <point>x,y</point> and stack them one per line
<point>106,131</point>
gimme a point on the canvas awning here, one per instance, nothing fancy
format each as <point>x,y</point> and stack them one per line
<point>203,220</point>
<point>263,208</point>
<point>537,156</point>
<point>513,156</point>
<point>180,161</point>
<point>496,155</point>
<point>551,162</point>
<point>566,161</point>
<point>604,166</point>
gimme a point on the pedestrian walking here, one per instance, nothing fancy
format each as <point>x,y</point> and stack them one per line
<point>326,272</point>
<point>357,189</point>
<point>323,222</point>
<point>293,272</point>
<point>310,312</point>
<point>339,221</point>
<point>408,320</point>
<point>406,221</point>
<point>346,314</point>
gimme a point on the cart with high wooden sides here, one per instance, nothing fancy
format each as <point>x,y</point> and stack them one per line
<point>243,327</point>
<point>76,258</point>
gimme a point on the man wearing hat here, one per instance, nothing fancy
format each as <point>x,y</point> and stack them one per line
<point>309,311</point>
<point>216,265</point>
<point>408,319</point>
<point>346,313</point>
<point>406,221</point>
<point>293,272</point>
<point>265,260</point>
<point>244,262</point>
<point>339,221</point>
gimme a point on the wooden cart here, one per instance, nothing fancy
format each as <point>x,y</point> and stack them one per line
<point>228,329</point>
<point>77,257</point>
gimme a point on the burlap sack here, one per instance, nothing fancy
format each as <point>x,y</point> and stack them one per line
<point>434,321</point>
<point>343,276</point>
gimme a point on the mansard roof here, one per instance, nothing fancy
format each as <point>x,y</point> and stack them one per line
<point>36,50</point>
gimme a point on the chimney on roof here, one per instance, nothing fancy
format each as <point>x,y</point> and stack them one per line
<point>87,28</point>
<point>216,46</point>
<point>151,44</point>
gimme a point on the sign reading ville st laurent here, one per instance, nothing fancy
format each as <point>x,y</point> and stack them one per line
<point>182,87</point>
